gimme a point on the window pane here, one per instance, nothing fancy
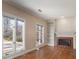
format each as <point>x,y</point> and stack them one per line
<point>39,28</point>
<point>8,24</point>
<point>40,33</point>
<point>19,35</point>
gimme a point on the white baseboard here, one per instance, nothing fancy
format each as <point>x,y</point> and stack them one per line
<point>50,45</point>
<point>44,44</point>
<point>24,52</point>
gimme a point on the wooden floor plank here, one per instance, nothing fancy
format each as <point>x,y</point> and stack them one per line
<point>57,52</point>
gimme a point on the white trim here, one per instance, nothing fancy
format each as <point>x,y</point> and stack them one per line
<point>30,50</point>
<point>50,44</point>
<point>23,52</point>
<point>23,35</point>
<point>14,31</point>
<point>12,15</point>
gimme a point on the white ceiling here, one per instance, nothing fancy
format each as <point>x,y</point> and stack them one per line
<point>50,8</point>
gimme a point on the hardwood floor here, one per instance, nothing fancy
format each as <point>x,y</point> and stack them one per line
<point>57,52</point>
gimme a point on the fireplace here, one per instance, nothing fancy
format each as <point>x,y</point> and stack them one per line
<point>65,41</point>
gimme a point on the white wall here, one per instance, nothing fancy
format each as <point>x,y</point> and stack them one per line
<point>64,27</point>
<point>30,25</point>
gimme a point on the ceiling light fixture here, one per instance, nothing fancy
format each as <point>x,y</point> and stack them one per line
<point>39,10</point>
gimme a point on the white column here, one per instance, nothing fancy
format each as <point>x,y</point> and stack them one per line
<point>51,33</point>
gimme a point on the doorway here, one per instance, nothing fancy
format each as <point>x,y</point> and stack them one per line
<point>13,36</point>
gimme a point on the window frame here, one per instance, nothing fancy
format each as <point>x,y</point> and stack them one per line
<point>23,34</point>
<point>42,33</point>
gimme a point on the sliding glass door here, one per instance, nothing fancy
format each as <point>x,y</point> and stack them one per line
<point>13,36</point>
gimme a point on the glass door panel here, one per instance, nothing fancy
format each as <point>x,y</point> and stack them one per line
<point>13,36</point>
<point>19,35</point>
<point>40,34</point>
<point>8,24</point>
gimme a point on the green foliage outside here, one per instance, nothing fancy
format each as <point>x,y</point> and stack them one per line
<point>9,38</point>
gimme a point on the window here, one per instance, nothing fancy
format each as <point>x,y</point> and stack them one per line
<point>19,35</point>
<point>40,33</point>
<point>13,35</point>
